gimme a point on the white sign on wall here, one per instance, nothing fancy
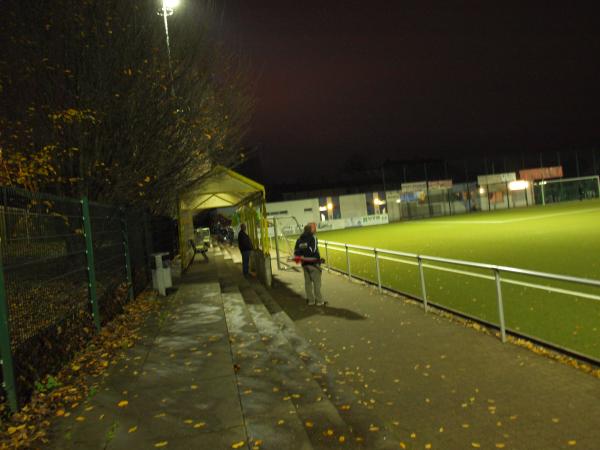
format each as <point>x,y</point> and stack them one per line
<point>496,178</point>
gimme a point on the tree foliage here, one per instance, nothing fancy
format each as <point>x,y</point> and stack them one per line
<point>89,105</point>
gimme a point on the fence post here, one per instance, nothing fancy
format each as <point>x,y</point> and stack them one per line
<point>423,288</point>
<point>89,253</point>
<point>543,185</point>
<point>500,304</point>
<point>276,244</point>
<point>124,231</point>
<point>377,268</point>
<point>348,262</point>
<point>327,257</point>
<point>8,370</point>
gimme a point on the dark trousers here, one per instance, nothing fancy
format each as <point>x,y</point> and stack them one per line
<point>246,261</point>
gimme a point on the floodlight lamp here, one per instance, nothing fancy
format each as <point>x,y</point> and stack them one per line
<point>171,4</point>
<point>329,206</point>
<point>379,202</point>
<point>518,185</point>
<point>398,200</point>
<point>481,190</point>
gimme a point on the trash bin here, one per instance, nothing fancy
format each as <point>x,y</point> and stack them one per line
<point>161,272</point>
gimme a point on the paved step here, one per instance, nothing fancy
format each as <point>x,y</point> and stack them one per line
<point>311,402</point>
<point>269,415</point>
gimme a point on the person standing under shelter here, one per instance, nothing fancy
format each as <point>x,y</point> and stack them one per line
<point>245,246</point>
<point>307,251</point>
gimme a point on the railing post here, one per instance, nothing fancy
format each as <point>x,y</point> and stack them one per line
<point>348,262</point>
<point>423,288</point>
<point>8,370</point>
<point>276,244</point>
<point>89,253</point>
<point>327,258</point>
<point>377,268</point>
<point>500,304</point>
<point>124,231</point>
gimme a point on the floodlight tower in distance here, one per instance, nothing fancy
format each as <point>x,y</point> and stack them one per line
<point>168,8</point>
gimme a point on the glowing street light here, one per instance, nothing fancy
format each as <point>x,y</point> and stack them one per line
<point>329,206</point>
<point>170,5</point>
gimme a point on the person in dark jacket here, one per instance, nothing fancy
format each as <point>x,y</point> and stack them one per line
<point>307,251</point>
<point>245,245</point>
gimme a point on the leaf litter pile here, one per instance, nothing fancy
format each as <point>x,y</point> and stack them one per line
<point>57,394</point>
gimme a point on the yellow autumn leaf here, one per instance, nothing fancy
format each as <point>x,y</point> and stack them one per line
<point>329,432</point>
<point>342,439</point>
<point>499,445</point>
<point>199,425</point>
<point>12,430</point>
<point>373,428</point>
<point>161,444</point>
<point>193,387</point>
<point>475,445</point>
<point>280,422</point>
<point>402,445</point>
<point>308,424</point>
<point>413,435</point>
<point>188,421</point>
<point>238,444</point>
<point>60,412</point>
<point>132,429</point>
<point>428,445</point>
<point>75,367</point>
<point>122,403</point>
<point>80,419</point>
<point>572,442</point>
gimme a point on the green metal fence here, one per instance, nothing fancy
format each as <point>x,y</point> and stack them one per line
<point>67,267</point>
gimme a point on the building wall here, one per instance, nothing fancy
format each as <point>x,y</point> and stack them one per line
<point>354,205</point>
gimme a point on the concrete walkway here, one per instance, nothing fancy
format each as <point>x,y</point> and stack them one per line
<point>214,371</point>
<point>425,381</point>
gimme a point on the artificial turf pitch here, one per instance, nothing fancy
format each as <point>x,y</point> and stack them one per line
<point>561,239</point>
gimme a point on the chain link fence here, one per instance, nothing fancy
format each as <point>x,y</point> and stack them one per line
<point>66,268</point>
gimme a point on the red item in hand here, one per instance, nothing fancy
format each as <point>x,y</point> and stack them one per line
<point>297,259</point>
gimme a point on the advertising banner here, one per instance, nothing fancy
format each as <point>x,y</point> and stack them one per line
<point>541,173</point>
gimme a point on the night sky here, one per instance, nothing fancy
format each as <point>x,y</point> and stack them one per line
<point>397,79</point>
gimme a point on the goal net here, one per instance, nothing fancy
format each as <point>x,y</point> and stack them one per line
<point>566,189</point>
<point>283,232</point>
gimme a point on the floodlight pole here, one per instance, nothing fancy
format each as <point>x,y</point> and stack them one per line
<point>165,14</point>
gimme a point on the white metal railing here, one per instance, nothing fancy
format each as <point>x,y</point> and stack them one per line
<point>496,275</point>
